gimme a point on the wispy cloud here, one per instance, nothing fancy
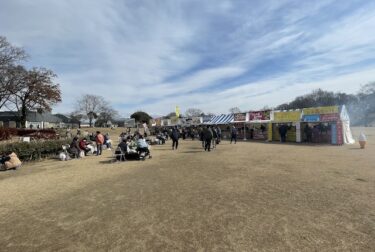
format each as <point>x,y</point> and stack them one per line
<point>208,54</point>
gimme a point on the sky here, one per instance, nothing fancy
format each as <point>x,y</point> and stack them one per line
<point>153,55</point>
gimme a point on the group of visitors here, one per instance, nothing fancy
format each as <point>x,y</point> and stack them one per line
<point>210,137</point>
<point>132,146</point>
<point>93,143</point>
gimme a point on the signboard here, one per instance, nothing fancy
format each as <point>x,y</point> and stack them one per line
<point>321,110</point>
<point>288,116</point>
<point>311,118</point>
<point>260,115</point>
<point>329,117</point>
<point>129,123</point>
<point>240,117</point>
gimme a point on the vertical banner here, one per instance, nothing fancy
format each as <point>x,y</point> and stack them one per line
<point>298,132</point>
<point>269,132</point>
<point>333,133</point>
<point>339,133</point>
<point>177,112</point>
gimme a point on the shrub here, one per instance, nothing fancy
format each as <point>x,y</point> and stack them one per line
<point>35,150</point>
<point>7,133</point>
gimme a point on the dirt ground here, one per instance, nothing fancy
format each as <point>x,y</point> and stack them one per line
<point>249,196</point>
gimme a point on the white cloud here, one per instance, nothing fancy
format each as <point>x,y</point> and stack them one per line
<point>156,55</point>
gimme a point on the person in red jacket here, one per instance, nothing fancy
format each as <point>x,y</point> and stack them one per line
<point>83,145</point>
<point>99,139</point>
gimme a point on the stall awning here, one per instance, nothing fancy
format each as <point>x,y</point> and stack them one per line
<point>221,119</point>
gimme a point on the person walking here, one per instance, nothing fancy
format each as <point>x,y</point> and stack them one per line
<point>175,135</point>
<point>233,134</point>
<point>207,135</point>
<point>214,137</point>
<point>99,139</point>
<point>218,131</point>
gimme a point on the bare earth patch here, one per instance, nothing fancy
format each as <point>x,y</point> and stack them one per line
<point>250,196</point>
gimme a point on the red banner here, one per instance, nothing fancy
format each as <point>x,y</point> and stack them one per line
<point>240,117</point>
<point>340,139</point>
<point>329,117</point>
<point>259,115</point>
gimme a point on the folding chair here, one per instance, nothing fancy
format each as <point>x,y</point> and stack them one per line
<point>118,155</point>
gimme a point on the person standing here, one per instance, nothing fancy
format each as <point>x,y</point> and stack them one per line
<point>283,129</point>
<point>218,131</point>
<point>233,134</point>
<point>99,139</point>
<point>207,136</point>
<point>214,137</point>
<point>175,135</point>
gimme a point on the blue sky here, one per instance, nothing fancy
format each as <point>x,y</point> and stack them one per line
<point>212,54</point>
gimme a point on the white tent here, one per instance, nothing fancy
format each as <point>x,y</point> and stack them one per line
<point>346,132</point>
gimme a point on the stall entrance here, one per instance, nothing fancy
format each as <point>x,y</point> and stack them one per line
<point>291,134</point>
<point>257,131</point>
<point>317,132</point>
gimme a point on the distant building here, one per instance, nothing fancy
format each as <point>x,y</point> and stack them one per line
<point>37,120</point>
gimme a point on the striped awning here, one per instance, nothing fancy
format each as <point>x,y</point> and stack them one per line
<point>221,119</point>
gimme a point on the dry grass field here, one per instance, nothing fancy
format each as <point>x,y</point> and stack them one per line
<point>246,197</point>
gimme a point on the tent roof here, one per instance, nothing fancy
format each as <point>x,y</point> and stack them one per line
<point>221,119</point>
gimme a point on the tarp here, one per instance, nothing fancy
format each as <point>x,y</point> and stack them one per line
<point>221,119</point>
<point>346,132</point>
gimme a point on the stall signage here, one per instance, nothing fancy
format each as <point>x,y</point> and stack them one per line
<point>259,115</point>
<point>240,117</point>
<point>329,117</point>
<point>321,110</point>
<point>288,116</point>
<point>311,118</point>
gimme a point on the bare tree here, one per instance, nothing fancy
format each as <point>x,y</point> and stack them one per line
<point>235,110</point>
<point>9,72</point>
<point>37,91</point>
<point>11,81</point>
<point>9,54</point>
<point>107,113</point>
<point>192,112</point>
<point>91,106</point>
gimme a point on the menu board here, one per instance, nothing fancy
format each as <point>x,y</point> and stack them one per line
<point>288,116</point>
<point>329,117</point>
<point>240,117</point>
<point>321,110</point>
<point>260,115</point>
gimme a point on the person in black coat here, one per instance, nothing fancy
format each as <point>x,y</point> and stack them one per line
<point>283,129</point>
<point>207,135</point>
<point>175,135</point>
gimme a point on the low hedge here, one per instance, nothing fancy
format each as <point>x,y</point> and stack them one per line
<point>35,150</point>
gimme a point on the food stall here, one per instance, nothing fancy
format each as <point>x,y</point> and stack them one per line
<point>329,124</point>
<point>259,125</point>
<point>291,119</point>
